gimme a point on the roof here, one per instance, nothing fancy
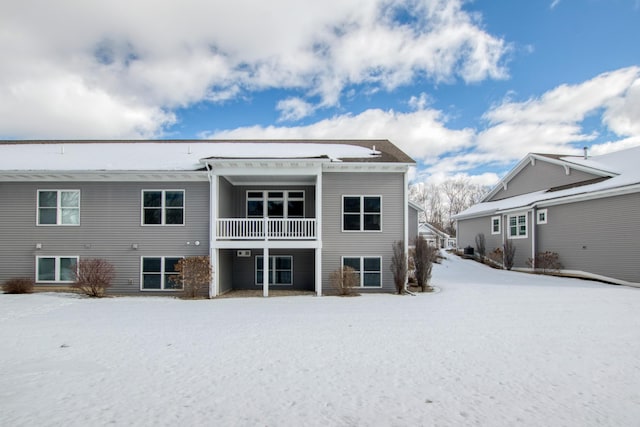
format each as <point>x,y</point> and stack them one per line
<point>183,155</point>
<point>425,227</point>
<point>619,173</point>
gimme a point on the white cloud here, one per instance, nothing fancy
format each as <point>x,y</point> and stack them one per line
<point>146,58</point>
<point>421,134</point>
<point>292,109</point>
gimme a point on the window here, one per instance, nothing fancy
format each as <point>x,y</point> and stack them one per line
<point>58,207</point>
<point>56,269</point>
<point>368,270</point>
<point>361,213</point>
<point>157,272</point>
<point>541,216</point>
<point>280,270</point>
<point>163,207</point>
<point>518,226</point>
<point>279,204</point>
<point>495,225</point>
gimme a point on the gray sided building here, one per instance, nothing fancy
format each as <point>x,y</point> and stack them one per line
<point>584,208</point>
<point>271,214</point>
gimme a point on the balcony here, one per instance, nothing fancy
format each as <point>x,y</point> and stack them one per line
<point>266,229</point>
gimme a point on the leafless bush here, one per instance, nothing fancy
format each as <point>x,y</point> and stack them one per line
<point>18,285</point>
<point>93,276</point>
<point>399,266</point>
<point>509,254</point>
<point>546,262</point>
<point>344,281</point>
<point>194,275</point>
<point>496,256</point>
<point>424,257</point>
<point>481,245</point>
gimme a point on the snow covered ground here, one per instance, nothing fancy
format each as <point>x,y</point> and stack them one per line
<point>492,348</point>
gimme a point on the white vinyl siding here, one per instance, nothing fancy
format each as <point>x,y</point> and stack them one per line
<point>56,269</point>
<point>58,207</point>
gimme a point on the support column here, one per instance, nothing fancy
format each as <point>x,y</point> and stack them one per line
<point>265,272</point>
<point>318,269</point>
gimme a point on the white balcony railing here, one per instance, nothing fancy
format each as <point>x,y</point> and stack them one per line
<point>266,228</point>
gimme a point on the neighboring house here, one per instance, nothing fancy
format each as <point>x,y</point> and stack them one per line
<point>287,211</point>
<point>586,209</point>
<point>435,236</point>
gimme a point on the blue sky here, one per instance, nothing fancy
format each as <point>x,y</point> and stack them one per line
<point>466,88</point>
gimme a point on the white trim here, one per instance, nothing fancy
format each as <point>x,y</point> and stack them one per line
<point>362,271</point>
<point>56,267</point>
<point>493,231</point>
<point>59,206</point>
<point>163,207</point>
<point>361,212</point>
<point>162,273</point>
<point>544,213</point>
<point>526,225</point>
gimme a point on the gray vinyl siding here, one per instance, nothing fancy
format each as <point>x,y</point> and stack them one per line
<point>413,225</point>
<point>599,236</point>
<point>542,176</point>
<point>336,243</point>
<point>468,229</point>
<point>243,268</point>
<point>110,222</point>
<point>225,270</point>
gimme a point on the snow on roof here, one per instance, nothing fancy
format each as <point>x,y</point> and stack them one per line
<point>622,165</point>
<point>151,155</point>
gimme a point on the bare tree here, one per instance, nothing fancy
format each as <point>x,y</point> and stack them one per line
<point>481,245</point>
<point>399,266</point>
<point>423,259</point>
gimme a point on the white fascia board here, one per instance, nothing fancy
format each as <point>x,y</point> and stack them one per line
<point>366,167</point>
<point>110,176</point>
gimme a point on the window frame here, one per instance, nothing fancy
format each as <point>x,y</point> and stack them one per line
<point>362,271</point>
<point>546,216</point>
<point>361,213</point>
<point>286,197</point>
<point>163,273</point>
<point>271,271</point>
<point>518,226</point>
<point>493,224</point>
<point>57,269</point>
<point>163,207</point>
<point>59,208</point>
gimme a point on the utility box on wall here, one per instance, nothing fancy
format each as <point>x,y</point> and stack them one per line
<point>243,253</point>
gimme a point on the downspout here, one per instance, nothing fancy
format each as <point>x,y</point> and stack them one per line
<point>211,235</point>
<point>534,221</point>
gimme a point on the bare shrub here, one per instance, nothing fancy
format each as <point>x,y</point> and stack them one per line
<point>424,257</point>
<point>399,266</point>
<point>18,285</point>
<point>546,262</point>
<point>194,275</point>
<point>496,256</point>
<point>481,245</point>
<point>344,281</point>
<point>93,276</point>
<point>509,251</point>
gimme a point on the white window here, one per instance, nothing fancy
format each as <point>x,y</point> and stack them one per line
<point>162,207</point>
<point>157,274</point>
<point>275,204</point>
<point>361,213</point>
<point>280,270</point>
<point>56,269</point>
<point>495,225</point>
<point>541,216</point>
<point>518,226</point>
<point>58,207</point>
<point>368,269</point>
